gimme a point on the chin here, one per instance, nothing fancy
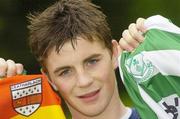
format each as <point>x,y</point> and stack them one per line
<point>92,113</point>
<point>93,110</point>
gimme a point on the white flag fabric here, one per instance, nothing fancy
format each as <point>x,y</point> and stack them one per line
<point>151,73</point>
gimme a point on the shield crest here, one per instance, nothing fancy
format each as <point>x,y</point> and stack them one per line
<point>27,96</point>
<point>140,68</point>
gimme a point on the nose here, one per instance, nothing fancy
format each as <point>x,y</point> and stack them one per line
<point>84,79</point>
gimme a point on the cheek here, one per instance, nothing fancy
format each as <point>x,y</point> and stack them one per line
<point>105,76</point>
<point>106,73</point>
<point>108,79</point>
<point>64,88</point>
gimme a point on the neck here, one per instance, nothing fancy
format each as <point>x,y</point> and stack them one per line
<point>115,110</point>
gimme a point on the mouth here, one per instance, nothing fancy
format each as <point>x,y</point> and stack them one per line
<point>90,97</point>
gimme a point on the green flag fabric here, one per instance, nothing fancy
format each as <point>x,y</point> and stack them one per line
<point>151,73</point>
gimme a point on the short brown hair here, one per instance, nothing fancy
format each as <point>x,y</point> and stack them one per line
<point>65,21</point>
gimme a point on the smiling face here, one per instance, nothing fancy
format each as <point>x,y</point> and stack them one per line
<point>84,76</point>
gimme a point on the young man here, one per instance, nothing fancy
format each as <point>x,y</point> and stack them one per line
<point>72,41</point>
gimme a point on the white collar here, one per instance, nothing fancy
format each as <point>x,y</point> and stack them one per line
<point>127,114</point>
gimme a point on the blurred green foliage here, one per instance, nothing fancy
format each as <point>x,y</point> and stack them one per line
<point>120,13</point>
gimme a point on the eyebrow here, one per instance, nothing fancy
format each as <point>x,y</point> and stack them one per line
<point>60,68</point>
<point>85,60</point>
<point>92,56</point>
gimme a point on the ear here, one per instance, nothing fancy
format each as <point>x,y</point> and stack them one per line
<point>116,52</point>
<point>49,80</point>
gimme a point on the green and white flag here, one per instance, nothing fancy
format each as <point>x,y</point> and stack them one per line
<point>151,74</point>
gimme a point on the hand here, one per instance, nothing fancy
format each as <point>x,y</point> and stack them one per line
<point>133,36</point>
<point>9,68</point>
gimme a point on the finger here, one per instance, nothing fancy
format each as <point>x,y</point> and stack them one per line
<point>129,39</point>
<point>135,33</point>
<point>11,71</point>
<point>124,45</point>
<point>3,68</point>
<point>19,68</point>
<point>140,25</point>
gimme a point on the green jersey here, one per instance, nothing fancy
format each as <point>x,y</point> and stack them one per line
<point>151,74</point>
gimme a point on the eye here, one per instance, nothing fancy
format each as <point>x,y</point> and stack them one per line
<point>65,72</point>
<point>92,62</point>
